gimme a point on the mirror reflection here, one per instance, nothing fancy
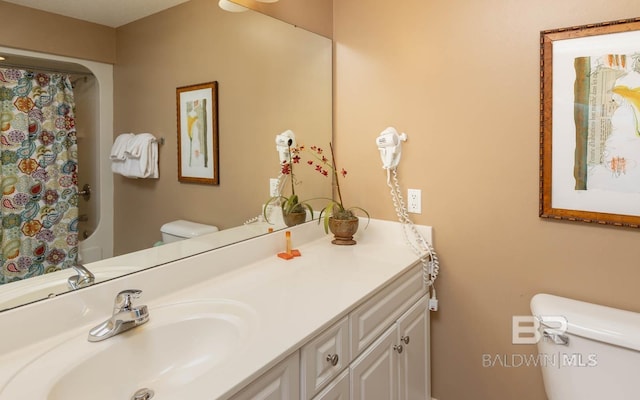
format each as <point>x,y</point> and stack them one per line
<point>272,77</point>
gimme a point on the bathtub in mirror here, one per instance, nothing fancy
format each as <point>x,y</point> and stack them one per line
<point>259,97</point>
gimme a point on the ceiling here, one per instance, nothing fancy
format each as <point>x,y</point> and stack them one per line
<point>113,13</point>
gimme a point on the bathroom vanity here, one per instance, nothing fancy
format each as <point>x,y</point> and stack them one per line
<point>238,322</point>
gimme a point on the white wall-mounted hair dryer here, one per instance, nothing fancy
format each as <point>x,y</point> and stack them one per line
<point>390,145</point>
<point>284,141</point>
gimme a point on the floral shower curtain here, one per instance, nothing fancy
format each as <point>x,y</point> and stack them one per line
<point>38,174</point>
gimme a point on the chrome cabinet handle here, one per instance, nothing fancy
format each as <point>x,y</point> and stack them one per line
<point>405,339</point>
<point>333,359</point>
<point>398,348</point>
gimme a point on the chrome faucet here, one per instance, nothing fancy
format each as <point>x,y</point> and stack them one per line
<point>84,277</point>
<point>125,317</point>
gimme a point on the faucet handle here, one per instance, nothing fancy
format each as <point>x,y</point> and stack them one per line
<point>83,272</point>
<point>83,278</point>
<point>124,300</point>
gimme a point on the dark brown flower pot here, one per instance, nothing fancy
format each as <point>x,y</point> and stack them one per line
<point>343,230</point>
<point>294,218</point>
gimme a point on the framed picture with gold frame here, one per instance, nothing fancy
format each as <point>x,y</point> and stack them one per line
<point>197,108</point>
<point>590,123</point>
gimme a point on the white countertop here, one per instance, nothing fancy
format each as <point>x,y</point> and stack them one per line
<point>293,300</point>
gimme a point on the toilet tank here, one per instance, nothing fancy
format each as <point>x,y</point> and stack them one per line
<point>602,357</point>
<point>182,229</point>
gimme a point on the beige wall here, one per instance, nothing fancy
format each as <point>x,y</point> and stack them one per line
<point>460,77</point>
<point>258,63</point>
<point>312,15</point>
<point>30,29</point>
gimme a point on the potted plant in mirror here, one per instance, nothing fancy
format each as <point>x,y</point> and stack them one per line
<point>336,217</point>
<point>294,212</point>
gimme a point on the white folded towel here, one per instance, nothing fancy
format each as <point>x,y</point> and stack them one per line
<point>141,158</point>
<point>120,146</point>
<point>138,145</point>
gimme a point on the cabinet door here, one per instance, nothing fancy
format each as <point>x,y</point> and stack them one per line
<point>413,335</point>
<point>374,374</point>
<point>338,389</point>
<point>281,382</point>
<point>378,313</point>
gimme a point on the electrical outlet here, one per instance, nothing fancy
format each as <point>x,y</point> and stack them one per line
<point>414,202</point>
<point>273,187</point>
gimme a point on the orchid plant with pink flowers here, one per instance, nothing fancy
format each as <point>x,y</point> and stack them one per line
<point>335,208</point>
<point>289,204</point>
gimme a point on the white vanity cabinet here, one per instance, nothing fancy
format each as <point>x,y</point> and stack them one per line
<point>396,365</point>
<point>369,320</point>
<point>389,343</point>
<point>379,351</point>
<point>324,357</point>
<point>281,382</point>
<point>338,389</point>
<point>414,367</point>
<point>374,375</point>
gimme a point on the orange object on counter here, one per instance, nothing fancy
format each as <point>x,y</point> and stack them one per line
<point>289,253</point>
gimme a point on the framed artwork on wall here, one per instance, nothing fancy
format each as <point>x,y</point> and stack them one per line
<point>197,107</point>
<point>590,123</point>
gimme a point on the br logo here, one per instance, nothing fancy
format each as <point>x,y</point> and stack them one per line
<point>527,329</point>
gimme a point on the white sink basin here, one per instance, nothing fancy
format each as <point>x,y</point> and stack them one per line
<point>49,285</point>
<point>178,347</point>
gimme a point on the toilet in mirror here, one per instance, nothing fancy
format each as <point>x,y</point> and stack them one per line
<point>181,230</point>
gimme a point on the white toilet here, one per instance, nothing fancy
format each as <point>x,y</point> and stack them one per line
<point>601,359</point>
<point>182,229</point>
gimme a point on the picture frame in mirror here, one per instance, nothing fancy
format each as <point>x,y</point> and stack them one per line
<point>197,112</point>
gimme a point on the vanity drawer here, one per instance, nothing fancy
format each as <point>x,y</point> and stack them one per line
<point>324,357</point>
<point>374,316</point>
<point>280,382</point>
<point>338,389</point>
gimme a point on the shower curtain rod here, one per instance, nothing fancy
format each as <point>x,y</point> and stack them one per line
<point>44,69</point>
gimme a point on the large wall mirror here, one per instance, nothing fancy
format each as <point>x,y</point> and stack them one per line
<point>272,76</point>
